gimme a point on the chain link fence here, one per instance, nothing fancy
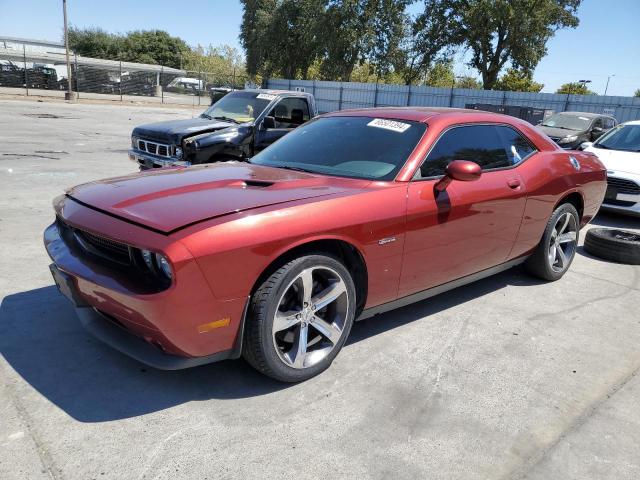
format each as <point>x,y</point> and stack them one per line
<point>45,74</point>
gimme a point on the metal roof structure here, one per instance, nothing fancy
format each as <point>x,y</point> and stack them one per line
<point>56,58</point>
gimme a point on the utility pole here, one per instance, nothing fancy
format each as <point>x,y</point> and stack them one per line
<point>69,95</point>
<point>608,78</point>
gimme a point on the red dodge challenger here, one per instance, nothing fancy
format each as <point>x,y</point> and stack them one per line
<point>352,214</point>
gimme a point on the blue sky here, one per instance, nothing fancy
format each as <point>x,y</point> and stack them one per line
<point>605,43</point>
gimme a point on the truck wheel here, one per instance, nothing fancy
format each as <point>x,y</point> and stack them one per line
<point>554,254</point>
<point>620,246</point>
<point>299,318</point>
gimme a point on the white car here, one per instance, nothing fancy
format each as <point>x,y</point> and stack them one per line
<point>619,151</point>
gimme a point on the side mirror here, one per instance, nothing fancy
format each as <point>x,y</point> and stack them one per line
<point>597,129</point>
<point>585,145</point>
<point>268,122</point>
<point>461,170</point>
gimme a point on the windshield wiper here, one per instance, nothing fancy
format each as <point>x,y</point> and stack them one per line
<point>289,167</point>
<point>555,126</point>
<point>204,115</point>
<point>228,119</point>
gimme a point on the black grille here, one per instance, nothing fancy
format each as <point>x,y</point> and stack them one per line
<point>162,150</point>
<point>624,186</point>
<point>106,247</point>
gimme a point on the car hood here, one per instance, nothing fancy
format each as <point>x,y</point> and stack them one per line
<point>560,132</point>
<point>173,131</point>
<point>169,199</point>
<point>617,160</point>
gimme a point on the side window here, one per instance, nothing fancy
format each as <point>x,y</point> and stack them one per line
<point>482,144</point>
<point>517,146</point>
<point>598,123</point>
<point>290,112</point>
<point>609,123</point>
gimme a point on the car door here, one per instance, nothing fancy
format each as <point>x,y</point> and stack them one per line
<point>287,114</point>
<point>471,226</point>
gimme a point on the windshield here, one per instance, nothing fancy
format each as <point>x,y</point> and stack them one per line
<point>568,122</point>
<point>622,137</point>
<point>239,106</point>
<point>357,147</point>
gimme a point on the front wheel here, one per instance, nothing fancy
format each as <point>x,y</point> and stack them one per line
<point>299,318</point>
<point>555,252</point>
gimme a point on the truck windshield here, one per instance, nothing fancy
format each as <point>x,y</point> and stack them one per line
<point>239,106</point>
<point>356,147</point>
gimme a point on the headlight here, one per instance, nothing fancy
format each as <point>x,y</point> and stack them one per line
<point>157,264</point>
<point>178,152</point>
<point>134,142</point>
<point>569,139</point>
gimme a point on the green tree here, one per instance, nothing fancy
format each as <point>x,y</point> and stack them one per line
<point>575,88</point>
<point>143,46</point>
<point>637,94</point>
<point>468,82</point>
<point>441,75</point>
<point>517,81</point>
<point>427,40</point>
<point>500,31</point>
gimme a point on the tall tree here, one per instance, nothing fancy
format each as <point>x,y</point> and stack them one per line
<point>637,93</point>
<point>427,39</point>
<point>256,20</point>
<point>359,30</point>
<point>498,32</point>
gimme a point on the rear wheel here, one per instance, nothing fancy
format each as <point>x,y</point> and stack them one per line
<point>555,252</point>
<point>300,318</point>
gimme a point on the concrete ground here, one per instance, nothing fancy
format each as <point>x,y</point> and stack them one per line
<point>505,378</point>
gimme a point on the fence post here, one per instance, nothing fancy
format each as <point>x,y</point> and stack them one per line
<point>451,97</point>
<point>566,103</point>
<point>75,61</point>
<point>26,76</point>
<point>160,84</point>
<point>233,87</point>
<point>120,82</point>
<point>409,96</point>
<point>289,88</point>
<point>339,98</point>
<point>199,83</point>
<point>375,94</point>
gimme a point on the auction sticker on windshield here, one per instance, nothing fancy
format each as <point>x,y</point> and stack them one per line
<point>266,96</point>
<point>392,125</point>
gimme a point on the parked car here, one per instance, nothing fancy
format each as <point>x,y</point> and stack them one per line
<point>571,129</point>
<point>350,215</point>
<point>237,126</point>
<point>619,151</point>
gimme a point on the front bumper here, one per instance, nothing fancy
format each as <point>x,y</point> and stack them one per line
<point>108,331</point>
<point>623,197</point>
<point>146,161</point>
<point>168,323</point>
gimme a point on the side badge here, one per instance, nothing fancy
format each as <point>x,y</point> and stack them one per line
<point>384,241</point>
<point>574,161</point>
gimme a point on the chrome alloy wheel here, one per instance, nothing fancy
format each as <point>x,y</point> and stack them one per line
<point>310,317</point>
<point>564,240</point>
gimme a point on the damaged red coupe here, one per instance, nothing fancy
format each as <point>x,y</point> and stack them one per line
<point>350,215</point>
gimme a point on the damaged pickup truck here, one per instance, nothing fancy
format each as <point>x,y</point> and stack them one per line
<point>234,128</point>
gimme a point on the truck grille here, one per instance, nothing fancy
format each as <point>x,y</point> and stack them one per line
<point>624,186</point>
<point>154,148</point>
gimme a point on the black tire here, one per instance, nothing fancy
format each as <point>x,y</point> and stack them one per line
<point>539,263</point>
<point>259,347</point>
<point>620,246</point>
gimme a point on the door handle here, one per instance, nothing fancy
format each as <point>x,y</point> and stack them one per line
<point>514,183</point>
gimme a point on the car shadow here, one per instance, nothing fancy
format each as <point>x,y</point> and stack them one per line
<point>41,339</point>
<point>614,220</point>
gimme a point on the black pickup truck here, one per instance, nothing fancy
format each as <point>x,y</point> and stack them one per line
<point>234,128</point>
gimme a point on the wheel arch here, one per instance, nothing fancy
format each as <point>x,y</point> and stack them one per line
<point>574,198</point>
<point>343,250</point>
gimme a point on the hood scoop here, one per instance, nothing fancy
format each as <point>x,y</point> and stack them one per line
<point>255,183</point>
